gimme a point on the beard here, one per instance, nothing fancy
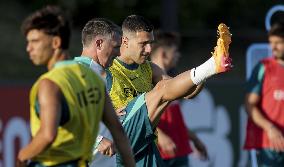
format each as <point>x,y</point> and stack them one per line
<point>278,54</point>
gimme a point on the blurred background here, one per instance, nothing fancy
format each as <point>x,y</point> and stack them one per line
<point>216,115</point>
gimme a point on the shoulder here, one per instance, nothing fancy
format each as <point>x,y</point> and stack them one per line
<point>267,61</point>
<point>47,87</point>
<point>65,63</point>
<point>47,83</point>
<point>258,72</point>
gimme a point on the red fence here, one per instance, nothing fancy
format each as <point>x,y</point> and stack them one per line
<point>14,127</point>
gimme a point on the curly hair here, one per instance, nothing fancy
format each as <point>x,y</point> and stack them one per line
<point>52,21</point>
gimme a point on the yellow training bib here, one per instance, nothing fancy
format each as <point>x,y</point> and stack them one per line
<point>84,93</point>
<point>125,83</point>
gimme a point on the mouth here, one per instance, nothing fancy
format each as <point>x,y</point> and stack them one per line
<point>31,57</point>
<point>275,52</point>
<point>145,55</point>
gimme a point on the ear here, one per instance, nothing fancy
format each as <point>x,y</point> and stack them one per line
<point>99,43</point>
<point>163,53</point>
<point>124,41</point>
<point>56,42</point>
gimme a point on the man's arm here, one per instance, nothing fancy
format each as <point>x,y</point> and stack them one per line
<point>119,137</point>
<point>106,147</point>
<point>275,135</point>
<point>50,112</point>
<point>200,147</point>
<point>252,99</point>
<point>251,102</point>
<point>166,143</point>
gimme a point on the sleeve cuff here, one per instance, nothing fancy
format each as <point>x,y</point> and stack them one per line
<point>98,141</point>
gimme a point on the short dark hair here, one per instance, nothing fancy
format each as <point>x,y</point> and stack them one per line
<point>98,26</point>
<point>136,23</point>
<point>52,21</point>
<point>165,39</point>
<point>277,29</point>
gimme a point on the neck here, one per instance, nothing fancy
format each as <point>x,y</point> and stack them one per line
<point>280,60</point>
<point>91,53</point>
<point>63,55</point>
<point>125,59</point>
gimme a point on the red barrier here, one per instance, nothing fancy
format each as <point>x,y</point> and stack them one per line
<point>14,127</point>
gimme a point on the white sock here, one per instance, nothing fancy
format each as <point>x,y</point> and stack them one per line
<point>202,72</point>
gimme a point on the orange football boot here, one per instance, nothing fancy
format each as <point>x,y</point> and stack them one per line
<point>223,62</point>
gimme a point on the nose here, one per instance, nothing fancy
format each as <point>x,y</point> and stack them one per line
<point>29,47</point>
<point>273,47</point>
<point>148,48</point>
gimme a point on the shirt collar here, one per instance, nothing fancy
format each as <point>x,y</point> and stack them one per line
<point>90,63</point>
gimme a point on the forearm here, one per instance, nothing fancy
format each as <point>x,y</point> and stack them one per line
<point>252,101</point>
<point>191,135</point>
<point>98,140</point>
<point>161,135</point>
<point>38,144</point>
<point>258,118</point>
<point>118,134</point>
<point>160,132</point>
<point>122,144</point>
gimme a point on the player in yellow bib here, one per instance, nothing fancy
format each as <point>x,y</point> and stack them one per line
<point>143,112</point>
<point>128,81</point>
<point>66,103</point>
<point>131,74</point>
<point>82,99</point>
<point>141,115</point>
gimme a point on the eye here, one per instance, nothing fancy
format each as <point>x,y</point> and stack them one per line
<point>143,44</point>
